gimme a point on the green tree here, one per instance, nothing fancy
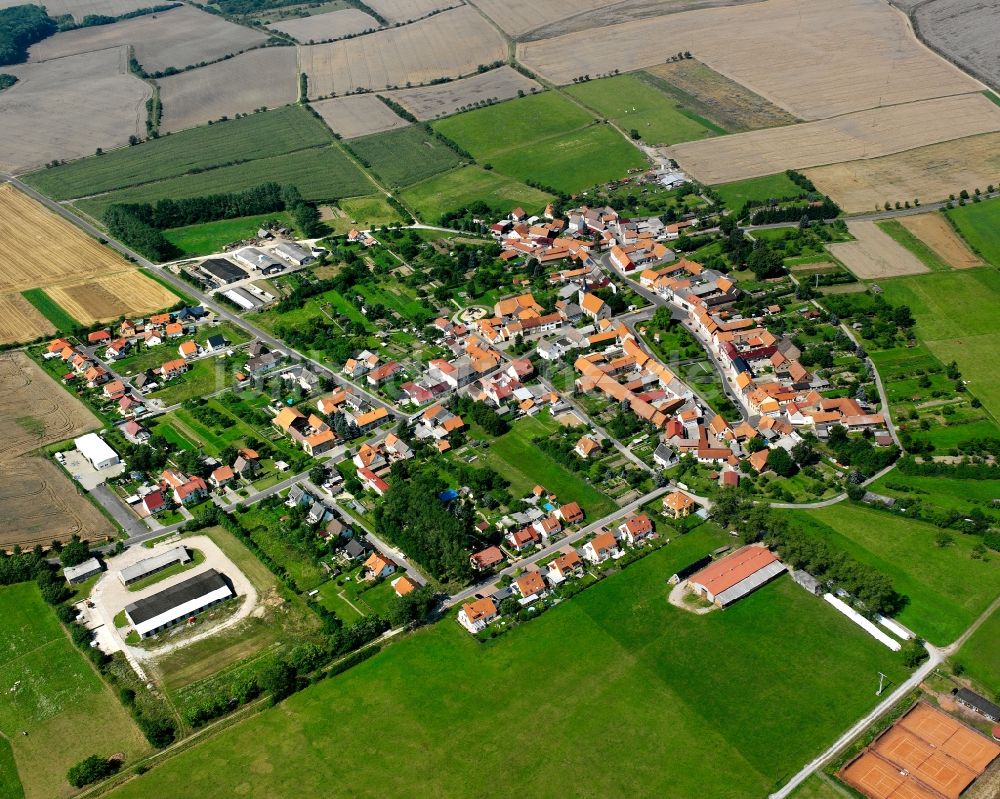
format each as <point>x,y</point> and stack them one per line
<point>91,769</point>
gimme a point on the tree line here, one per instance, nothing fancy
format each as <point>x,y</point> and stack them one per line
<point>21,27</point>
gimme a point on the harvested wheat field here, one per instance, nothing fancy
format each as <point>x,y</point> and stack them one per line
<point>937,233</point>
<point>358,115</point>
<point>874,254</point>
<point>78,9</point>
<point>433,102</point>
<point>517,17</point>
<point>449,44</point>
<point>863,134</point>
<point>111,296</point>
<point>21,321</point>
<point>869,54</point>
<point>396,11</point>
<point>964,30</point>
<point>331,25</point>
<point>69,107</point>
<point>176,38</point>
<point>716,97</point>
<point>240,85</point>
<point>928,174</point>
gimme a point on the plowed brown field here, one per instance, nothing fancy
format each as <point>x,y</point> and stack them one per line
<point>935,231</point>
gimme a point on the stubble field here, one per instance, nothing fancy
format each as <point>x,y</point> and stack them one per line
<point>966,30</point>
<point>875,255</point>
<point>433,102</point>
<point>934,231</point>
<point>927,173</point>
<point>110,296</point>
<point>859,135</point>
<point>20,321</point>
<point>78,9</point>
<point>448,44</point>
<point>397,11</point>
<point>176,38</point>
<point>331,25</point>
<point>69,107</point>
<point>358,115</point>
<point>263,78</point>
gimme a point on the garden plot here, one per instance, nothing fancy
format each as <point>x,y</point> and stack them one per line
<point>358,115</point>
<point>177,38</point>
<point>69,107</point>
<point>396,11</point>
<point>432,102</point>
<point>863,134</point>
<point>874,254</point>
<point>966,31</point>
<point>449,44</point>
<point>331,25</point>
<point>934,231</point>
<point>928,173</point>
<point>240,85</point>
<point>870,56</point>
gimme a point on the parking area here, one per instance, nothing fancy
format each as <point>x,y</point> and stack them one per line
<point>83,471</point>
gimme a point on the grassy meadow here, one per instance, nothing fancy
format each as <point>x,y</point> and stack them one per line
<point>770,187</point>
<point>459,188</point>
<point>206,238</point>
<point>404,156</point>
<point>979,225</point>
<point>980,655</point>
<point>724,706</point>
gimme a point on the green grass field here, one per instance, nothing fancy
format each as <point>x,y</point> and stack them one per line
<point>208,237</point>
<point>724,706</point>
<point>572,161</point>
<point>904,237</point>
<point>404,156</point>
<point>736,195</point>
<point>981,655</point>
<point>365,213</point>
<point>265,528</point>
<point>58,697</point>
<point>633,104</point>
<point>817,787</point>
<point>979,224</point>
<point>51,310</point>
<point>941,492</point>
<point>330,302</point>
<point>946,587</point>
<point>459,188</point>
<point>485,132</point>
<point>263,135</point>
<point>319,173</point>
<point>957,320</point>
<point>204,377</point>
<point>10,785</point>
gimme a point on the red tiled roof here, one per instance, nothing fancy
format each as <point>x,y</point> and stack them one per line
<point>732,569</point>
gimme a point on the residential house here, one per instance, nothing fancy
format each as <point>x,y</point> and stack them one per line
<point>247,463</point>
<point>173,368</point>
<point>586,447</point>
<point>601,547</point>
<point>486,559</point>
<point>636,529</point>
<point>188,349</point>
<point>525,538</point>
<point>194,490</point>
<point>373,482</point>
<point>530,585</point>
<point>677,505</point>
<point>377,566</point>
<point>475,616</point>
<point>567,565</point>
<point>570,513</point>
<point>594,307</point>
<point>222,476</point>
<point>154,502</point>
<point>366,421</point>
<point>403,586</point>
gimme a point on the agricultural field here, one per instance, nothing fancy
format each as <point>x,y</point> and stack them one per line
<point>461,187</point>
<point>368,212</point>
<point>69,107</point>
<point>57,697</point>
<point>617,654</point>
<point>934,232</point>
<point>51,310</point>
<point>874,255</point>
<point>947,588</point>
<point>176,38</point>
<point>634,105</point>
<point>926,173</point>
<point>769,187</point>
<point>445,99</point>
<point>404,157</point>
<point>319,173</point>
<point>979,225</point>
<point>78,9</point>
<point>705,92</point>
<point>331,25</point>
<point>397,11</point>
<point>964,32</point>
<point>521,16</point>
<point>861,134</point>
<point>21,321</point>
<point>358,115</point>
<point>981,654</point>
<point>277,132</point>
<point>263,78</point>
<point>871,57</point>
<point>105,298</point>
<point>449,44</point>
<point>210,237</point>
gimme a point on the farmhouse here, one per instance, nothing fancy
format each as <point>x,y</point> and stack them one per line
<point>148,566</point>
<point>736,575</point>
<point>182,601</point>
<point>474,616</point>
<point>95,450</point>
<point>82,571</point>
<point>257,259</point>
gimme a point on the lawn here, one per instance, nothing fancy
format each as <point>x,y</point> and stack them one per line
<point>981,655</point>
<point>515,456</point>
<point>957,319</point>
<point>941,492</point>
<point>572,161</point>
<point>51,310</point>
<point>894,229</point>
<point>58,696</point>
<point>404,156</point>
<point>485,132</point>
<point>366,213</point>
<point>204,377</point>
<point>724,706</point>
<point>979,225</point>
<point>633,104</point>
<point>210,237</point>
<point>283,130</point>
<point>319,173</point>
<point>10,785</point>
<point>266,528</point>
<point>817,787</point>
<point>769,187</point>
<point>946,587</point>
<point>459,188</point>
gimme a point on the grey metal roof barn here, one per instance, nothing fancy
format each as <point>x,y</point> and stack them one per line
<point>147,566</point>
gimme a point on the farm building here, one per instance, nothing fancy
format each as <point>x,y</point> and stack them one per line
<point>736,575</point>
<point>95,450</point>
<point>82,571</point>
<point>148,566</point>
<point>222,270</point>
<point>158,612</point>
<point>291,251</point>
<point>977,703</point>
<point>256,259</point>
